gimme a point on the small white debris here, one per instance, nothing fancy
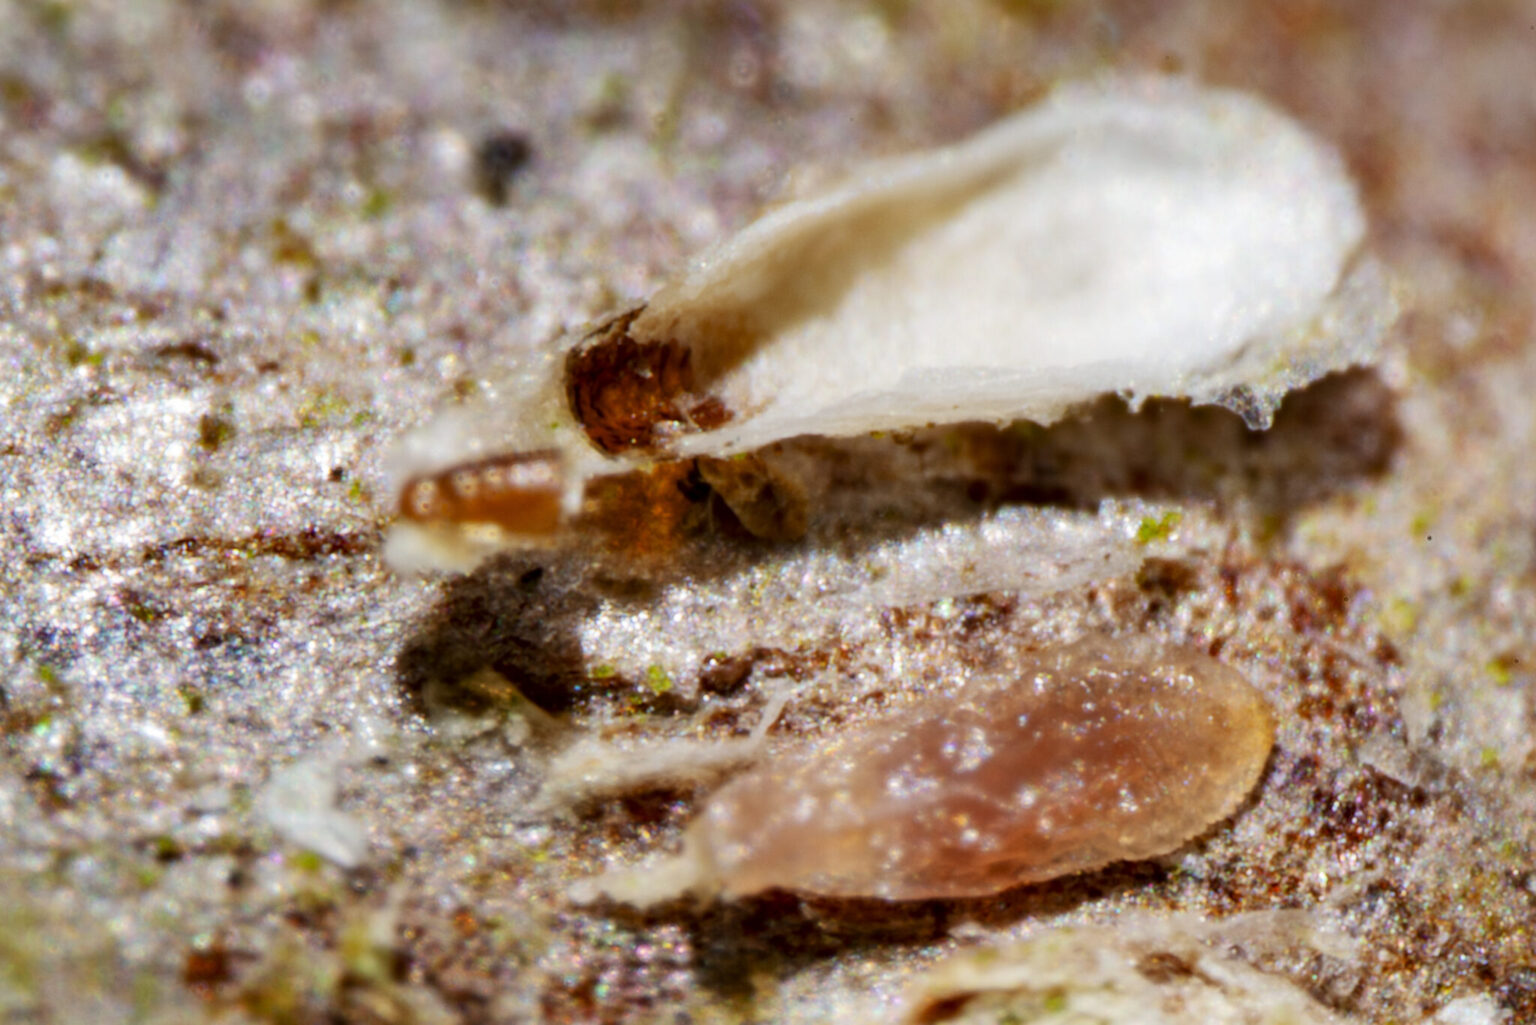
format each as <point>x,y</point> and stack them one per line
<point>1475,1010</point>
<point>593,768</point>
<point>299,801</point>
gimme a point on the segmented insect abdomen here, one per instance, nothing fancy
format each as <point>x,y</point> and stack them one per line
<point>629,394</point>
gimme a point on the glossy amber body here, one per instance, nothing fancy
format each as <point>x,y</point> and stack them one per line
<point>1095,754</point>
<point>519,493</point>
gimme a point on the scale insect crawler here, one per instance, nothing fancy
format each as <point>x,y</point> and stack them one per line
<point>1091,754</point>
<point>1141,237</point>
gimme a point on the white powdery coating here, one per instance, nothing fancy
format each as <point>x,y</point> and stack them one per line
<point>837,595</point>
<point>1143,237</point>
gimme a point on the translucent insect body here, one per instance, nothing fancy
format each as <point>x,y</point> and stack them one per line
<point>1096,753</point>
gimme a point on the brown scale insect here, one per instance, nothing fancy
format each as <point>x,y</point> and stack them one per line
<point>627,396</point>
<point>519,493</point>
<point>631,395</point>
<point>1108,750</point>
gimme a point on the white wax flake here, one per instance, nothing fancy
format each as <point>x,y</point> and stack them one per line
<point>1146,239</point>
<point>1152,971</point>
<point>1473,1010</point>
<point>591,767</point>
<point>594,767</point>
<point>1142,237</point>
<point>299,801</point>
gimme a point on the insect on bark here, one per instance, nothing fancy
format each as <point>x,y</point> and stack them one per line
<point>1101,752</point>
<point>1141,237</point>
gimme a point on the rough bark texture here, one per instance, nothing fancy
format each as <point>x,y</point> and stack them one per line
<point>247,774</point>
